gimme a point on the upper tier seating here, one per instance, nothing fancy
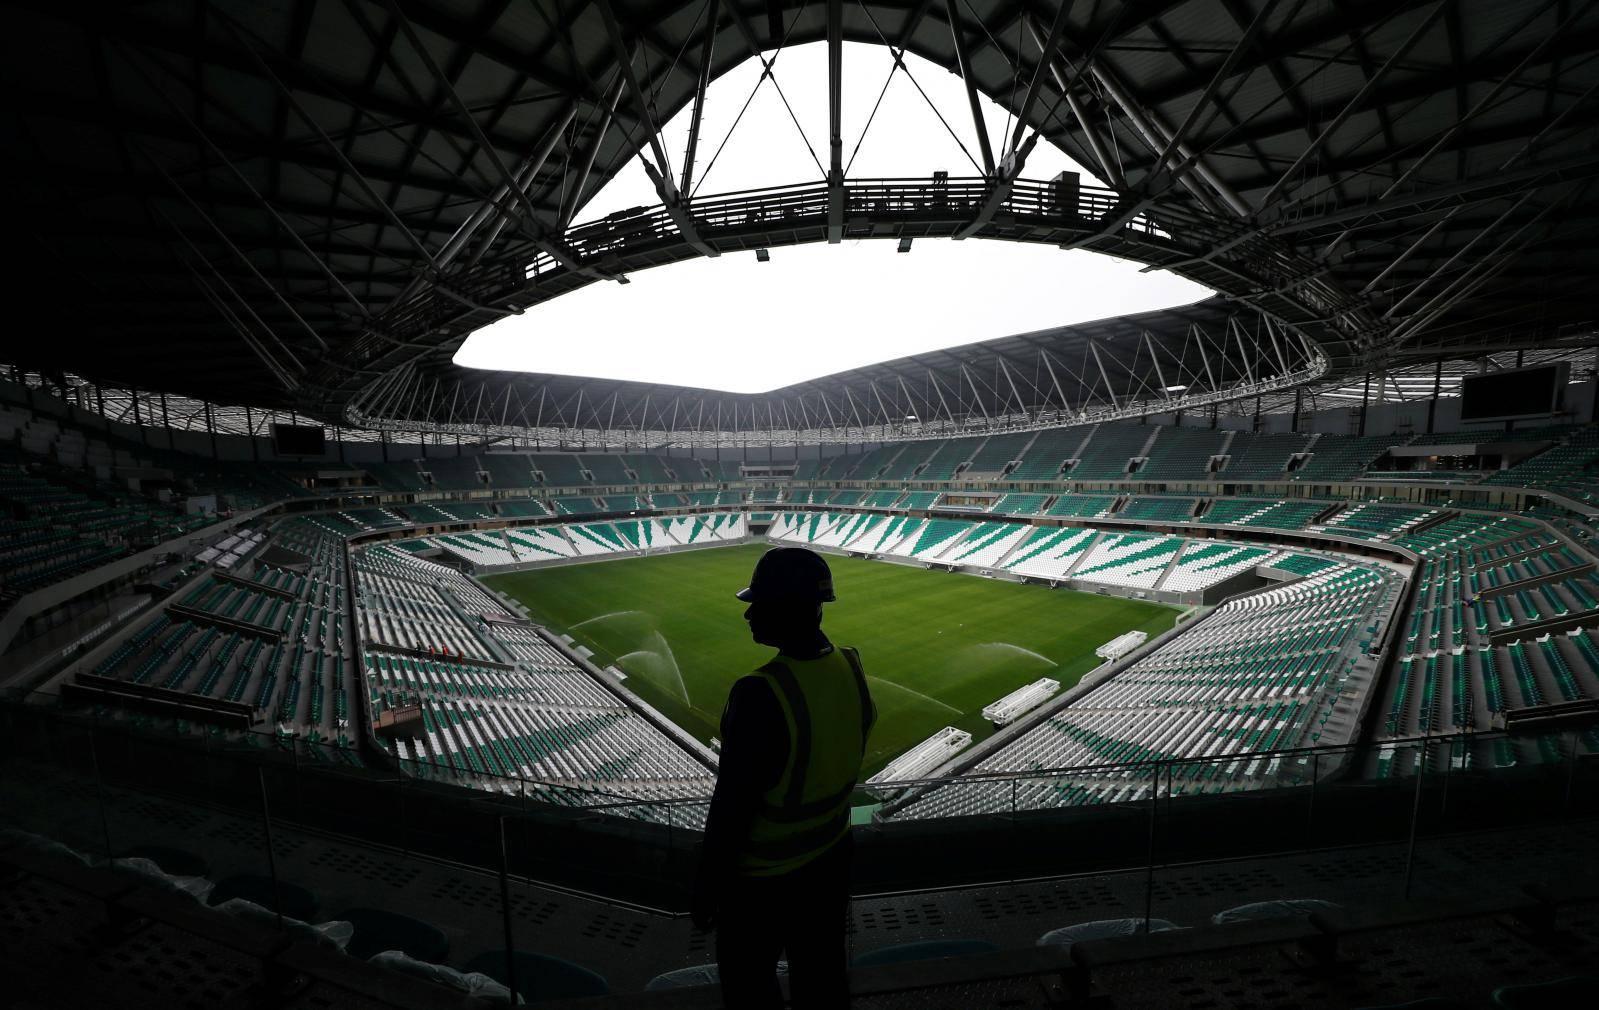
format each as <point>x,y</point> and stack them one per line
<point>997,452</point>
<point>523,508</point>
<point>509,469</point>
<point>1110,450</point>
<point>1158,508</point>
<point>908,462</point>
<point>402,476</point>
<point>1182,454</point>
<point>1049,451</point>
<point>1086,506</point>
<point>1343,457</point>
<point>606,469</point>
<point>1263,456</point>
<point>575,505</point>
<point>1566,468</point>
<point>867,465</point>
<point>1019,503</point>
<point>667,500</point>
<point>948,458</point>
<point>1262,513</point>
<point>1376,520</point>
<point>650,469</point>
<point>455,474</point>
<point>560,469</point>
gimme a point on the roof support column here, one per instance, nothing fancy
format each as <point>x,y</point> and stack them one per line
<point>713,12</point>
<point>964,63</point>
<point>835,124</point>
<point>660,170</point>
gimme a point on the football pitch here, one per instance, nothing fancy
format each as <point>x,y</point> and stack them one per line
<point>936,646</point>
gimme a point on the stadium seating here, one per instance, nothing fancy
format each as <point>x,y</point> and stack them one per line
<point>1262,456</point>
<point>1183,454</point>
<point>986,543</point>
<point>1262,672</point>
<point>648,469</point>
<point>508,470</point>
<point>458,473</point>
<point>1343,457</point>
<point>996,453</point>
<point>575,505</point>
<point>523,508</point>
<point>908,462</point>
<point>403,476</point>
<point>947,459</point>
<point>559,470</point>
<point>1377,521</point>
<point>1565,467</point>
<point>1050,553</point>
<point>1155,508</point>
<point>1018,503</point>
<point>1083,506</point>
<point>1262,513</point>
<point>607,470</point>
<point>1128,559</point>
<point>1110,450</point>
<point>1049,451</point>
<point>1202,565</point>
<point>932,538</point>
<point>868,465</point>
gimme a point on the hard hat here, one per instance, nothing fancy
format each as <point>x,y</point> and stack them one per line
<point>790,573</point>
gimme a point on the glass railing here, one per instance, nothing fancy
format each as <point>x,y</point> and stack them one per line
<point>279,814</point>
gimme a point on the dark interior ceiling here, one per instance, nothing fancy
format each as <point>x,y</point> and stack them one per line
<point>224,198</point>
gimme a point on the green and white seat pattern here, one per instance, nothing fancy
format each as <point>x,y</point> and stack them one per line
<point>1128,559</point>
<point>1483,576</point>
<point>1204,563</point>
<point>850,527</point>
<point>986,544</point>
<point>1263,672</point>
<point>932,538</point>
<point>502,704</point>
<point>1050,552</point>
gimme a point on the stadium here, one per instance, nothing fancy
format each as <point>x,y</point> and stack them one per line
<point>1196,401</point>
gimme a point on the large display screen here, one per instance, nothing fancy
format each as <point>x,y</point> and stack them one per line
<point>298,440</point>
<point>1520,393</point>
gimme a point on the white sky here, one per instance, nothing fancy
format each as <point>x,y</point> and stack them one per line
<point>734,324</point>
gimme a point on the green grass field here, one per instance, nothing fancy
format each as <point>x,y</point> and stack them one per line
<point>937,647</point>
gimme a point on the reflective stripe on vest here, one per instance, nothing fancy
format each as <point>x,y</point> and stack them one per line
<point>807,811</point>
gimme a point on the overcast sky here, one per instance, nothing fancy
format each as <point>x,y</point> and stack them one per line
<point>735,324</point>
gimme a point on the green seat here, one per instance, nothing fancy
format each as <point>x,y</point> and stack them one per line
<point>923,950</point>
<point>377,930</point>
<point>540,977</point>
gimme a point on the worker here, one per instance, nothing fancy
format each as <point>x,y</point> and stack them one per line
<point>773,878</point>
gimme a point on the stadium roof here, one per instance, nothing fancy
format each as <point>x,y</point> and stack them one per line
<point>310,203</point>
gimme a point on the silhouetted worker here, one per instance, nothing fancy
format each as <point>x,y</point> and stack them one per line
<point>774,875</point>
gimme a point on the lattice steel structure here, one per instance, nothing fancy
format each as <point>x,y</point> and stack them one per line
<point>307,205</point>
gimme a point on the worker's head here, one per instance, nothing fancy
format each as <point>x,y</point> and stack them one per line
<point>785,595</point>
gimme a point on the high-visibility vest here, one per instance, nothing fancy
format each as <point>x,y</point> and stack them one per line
<point>829,715</point>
